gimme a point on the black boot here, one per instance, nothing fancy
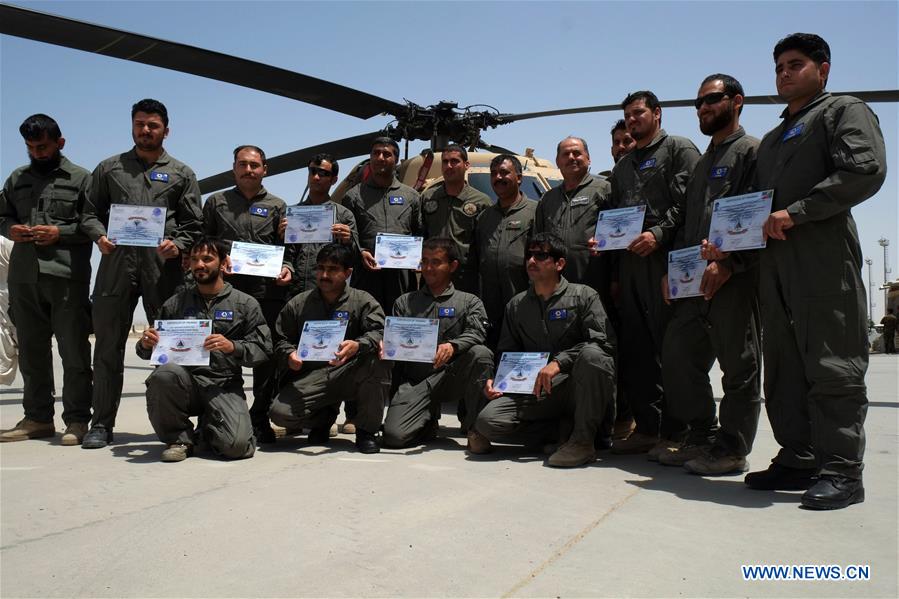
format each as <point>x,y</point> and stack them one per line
<point>833,492</point>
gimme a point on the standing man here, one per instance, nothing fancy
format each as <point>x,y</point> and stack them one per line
<point>498,244</point>
<point>827,156</point>
<point>577,384</point>
<point>654,174</point>
<point>889,332</point>
<point>49,279</point>
<point>622,142</point>
<point>143,176</point>
<point>311,392</point>
<point>382,204</point>
<point>451,208</point>
<point>248,212</point>
<point>239,338</point>
<point>724,323</point>
<point>462,362</point>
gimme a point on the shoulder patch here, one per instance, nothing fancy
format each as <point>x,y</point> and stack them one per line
<point>430,206</point>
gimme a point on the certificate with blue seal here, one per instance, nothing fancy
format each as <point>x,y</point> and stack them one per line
<point>320,339</point>
<point>685,270</point>
<point>256,259</point>
<point>309,224</point>
<point>397,251</point>
<point>617,228</point>
<point>181,342</point>
<point>141,226</point>
<point>517,371</point>
<point>410,339</point>
<point>737,221</point>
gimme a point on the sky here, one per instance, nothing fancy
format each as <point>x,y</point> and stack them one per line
<point>516,56</point>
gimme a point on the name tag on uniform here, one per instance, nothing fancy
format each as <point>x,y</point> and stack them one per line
<point>396,200</point>
<point>580,200</point>
<point>719,172</point>
<point>224,315</point>
<point>560,314</point>
<point>514,224</point>
<point>650,163</point>
<point>448,312</point>
<point>340,315</point>
<point>157,176</point>
<point>794,132</point>
<point>258,211</point>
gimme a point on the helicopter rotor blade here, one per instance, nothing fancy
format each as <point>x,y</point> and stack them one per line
<point>492,148</point>
<point>357,145</point>
<point>70,33</point>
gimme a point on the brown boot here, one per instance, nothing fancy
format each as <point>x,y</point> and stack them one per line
<point>478,443</point>
<point>28,429</point>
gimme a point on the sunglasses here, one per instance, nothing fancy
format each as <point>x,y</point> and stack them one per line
<point>538,256</point>
<point>710,99</point>
<point>315,170</point>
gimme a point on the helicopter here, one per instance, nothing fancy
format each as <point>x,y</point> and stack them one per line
<point>439,124</point>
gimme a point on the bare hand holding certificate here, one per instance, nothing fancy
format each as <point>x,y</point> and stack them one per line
<point>517,371</point>
<point>320,339</point>
<point>256,259</point>
<point>309,224</point>
<point>410,339</point>
<point>617,228</point>
<point>397,251</point>
<point>685,270</point>
<point>737,221</point>
<point>142,226</point>
<point>181,342</point>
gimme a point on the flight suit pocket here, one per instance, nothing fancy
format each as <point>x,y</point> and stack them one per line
<point>827,331</point>
<point>63,204</point>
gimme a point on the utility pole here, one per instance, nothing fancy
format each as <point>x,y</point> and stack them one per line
<point>885,243</point>
<point>869,262</point>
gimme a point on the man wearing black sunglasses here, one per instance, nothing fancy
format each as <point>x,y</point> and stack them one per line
<point>573,390</point>
<point>724,323</point>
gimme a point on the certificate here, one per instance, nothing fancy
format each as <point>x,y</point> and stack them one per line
<point>410,339</point>
<point>142,226</point>
<point>517,371</point>
<point>617,228</point>
<point>685,270</point>
<point>397,251</point>
<point>320,339</point>
<point>181,342</point>
<point>309,224</point>
<point>737,221</point>
<point>256,259</point>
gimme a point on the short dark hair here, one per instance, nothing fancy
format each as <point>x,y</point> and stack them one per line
<point>442,243</point>
<point>649,98</point>
<point>498,160</point>
<point>810,44</point>
<point>383,140</point>
<point>732,87</point>
<point>256,149</point>
<point>34,127</point>
<point>574,137</point>
<point>456,148</point>
<point>619,125</point>
<point>325,157</point>
<point>151,106</point>
<point>549,241</point>
<point>336,253</point>
<point>217,246</point>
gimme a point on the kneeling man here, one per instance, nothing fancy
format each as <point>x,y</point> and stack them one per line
<point>462,362</point>
<point>239,338</point>
<point>311,392</point>
<point>577,385</point>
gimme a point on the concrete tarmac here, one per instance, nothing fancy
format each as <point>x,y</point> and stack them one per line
<point>296,521</point>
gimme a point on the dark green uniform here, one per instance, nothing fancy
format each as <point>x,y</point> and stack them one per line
<point>214,392</point>
<point>572,216</point>
<point>725,327</point>
<point>48,288</point>
<point>310,397</point>
<point>655,176</point>
<point>454,217</point>
<point>395,209</point>
<point>820,162</point>
<point>572,326</point>
<point>421,388</point>
<point>303,255</point>
<point>131,272</point>
<point>228,215</point>
<point>497,252</point>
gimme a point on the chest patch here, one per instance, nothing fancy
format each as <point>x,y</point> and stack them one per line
<point>513,224</point>
<point>719,172</point>
<point>158,176</point>
<point>340,315</point>
<point>258,211</point>
<point>430,206</point>
<point>558,314</point>
<point>396,200</point>
<point>469,209</point>
<point>648,163</point>
<point>793,132</point>
<point>446,312</point>
<point>226,315</point>
<point>580,200</point>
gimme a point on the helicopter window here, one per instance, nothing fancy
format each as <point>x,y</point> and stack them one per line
<point>531,186</point>
<point>554,182</point>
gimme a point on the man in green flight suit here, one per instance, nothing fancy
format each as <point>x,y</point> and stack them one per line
<point>144,176</point>
<point>49,277</point>
<point>827,156</point>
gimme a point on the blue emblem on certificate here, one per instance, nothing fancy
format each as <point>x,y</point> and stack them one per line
<point>224,315</point>
<point>157,176</point>
<point>648,163</point>
<point>320,339</point>
<point>685,269</point>
<point>719,172</point>
<point>411,339</point>
<point>140,226</point>
<point>258,211</point>
<point>396,200</point>
<point>446,312</point>
<point>793,132</point>
<point>517,371</point>
<point>737,221</point>
<point>181,342</point>
<point>617,228</point>
<point>309,223</point>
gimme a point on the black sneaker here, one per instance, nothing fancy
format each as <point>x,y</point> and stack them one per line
<point>781,478</point>
<point>833,493</point>
<point>366,442</point>
<point>99,436</point>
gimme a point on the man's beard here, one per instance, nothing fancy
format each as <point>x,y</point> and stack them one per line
<point>721,120</point>
<point>47,165</point>
<point>208,277</point>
